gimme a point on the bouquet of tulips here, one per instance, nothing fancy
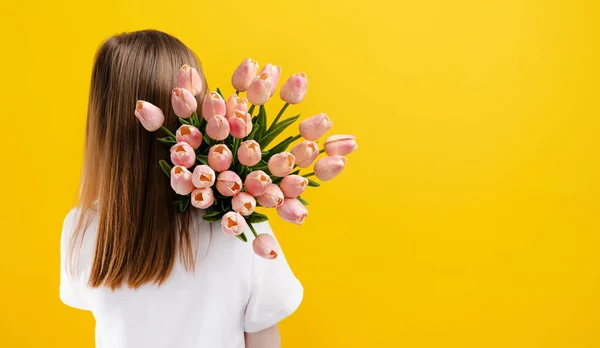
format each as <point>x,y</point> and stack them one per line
<point>228,148</point>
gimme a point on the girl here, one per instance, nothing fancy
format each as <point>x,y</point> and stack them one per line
<point>152,276</point>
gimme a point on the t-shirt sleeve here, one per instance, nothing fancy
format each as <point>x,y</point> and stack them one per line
<point>275,293</point>
<point>71,287</point>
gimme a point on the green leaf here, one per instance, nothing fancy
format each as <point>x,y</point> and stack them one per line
<point>262,121</point>
<point>313,183</point>
<point>207,140</point>
<point>167,141</point>
<point>302,200</point>
<point>183,121</point>
<point>295,172</point>
<point>251,111</point>
<point>242,237</point>
<point>203,159</point>
<point>256,217</point>
<point>184,202</point>
<point>226,204</point>
<point>255,128</point>
<point>282,146</point>
<point>219,91</point>
<point>213,216</point>
<point>165,167</point>
<point>269,136</point>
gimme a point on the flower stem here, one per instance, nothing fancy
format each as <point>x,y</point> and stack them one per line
<point>164,129</point>
<point>251,110</point>
<point>285,106</point>
<point>252,229</point>
<point>237,92</point>
<point>296,137</point>
<point>309,174</point>
<point>322,150</point>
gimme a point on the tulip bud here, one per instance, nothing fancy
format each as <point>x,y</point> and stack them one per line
<point>203,176</point>
<point>184,103</point>
<point>314,127</point>
<point>229,183</point>
<point>257,182</point>
<point>305,153</point>
<point>189,134</point>
<point>259,91</point>
<point>282,164</point>
<point>233,223</point>
<point>328,168</point>
<point>272,198</point>
<point>292,186</point>
<point>236,103</point>
<point>202,198</point>
<point>340,145</point>
<point>293,90</point>
<point>212,105</point>
<point>217,127</point>
<point>249,153</point>
<point>220,157</point>
<point>265,246</point>
<point>292,211</point>
<point>274,72</point>
<point>182,154</point>
<point>181,180</point>
<point>188,78</point>
<point>150,116</point>
<point>240,124</point>
<point>243,203</point>
<point>243,75</point>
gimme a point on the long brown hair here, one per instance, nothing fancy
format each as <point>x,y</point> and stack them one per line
<point>140,230</point>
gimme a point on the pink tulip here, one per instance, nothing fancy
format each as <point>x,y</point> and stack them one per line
<point>293,90</point>
<point>328,168</point>
<point>272,198</point>
<point>259,91</point>
<point>229,183</point>
<point>235,103</point>
<point>184,103</point>
<point>202,198</point>
<point>233,223</point>
<point>243,75</point>
<point>182,154</point>
<point>314,127</point>
<point>150,116</point>
<point>220,157</point>
<point>292,211</point>
<point>181,180</point>
<point>282,164</point>
<point>217,127</point>
<point>189,134</point>
<point>203,176</point>
<point>340,145</point>
<point>240,124</point>
<point>305,153</point>
<point>249,153</point>
<point>274,72</point>
<point>188,78</point>
<point>243,203</point>
<point>212,105</point>
<point>292,186</point>
<point>265,246</point>
<point>257,182</point>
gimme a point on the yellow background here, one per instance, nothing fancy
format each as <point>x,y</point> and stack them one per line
<point>467,218</point>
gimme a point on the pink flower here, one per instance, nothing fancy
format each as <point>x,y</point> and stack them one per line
<point>292,211</point>
<point>305,153</point>
<point>202,198</point>
<point>181,180</point>
<point>182,154</point>
<point>259,91</point>
<point>272,198</point>
<point>292,186</point>
<point>188,78</point>
<point>293,90</point>
<point>274,72</point>
<point>220,157</point>
<point>217,127</point>
<point>184,103</point>
<point>265,246</point>
<point>236,103</point>
<point>329,167</point>
<point>212,105</point>
<point>229,183</point>
<point>340,145</point>
<point>314,127</point>
<point>243,203</point>
<point>150,116</point>
<point>189,134</point>
<point>249,153</point>
<point>243,75</point>
<point>282,164</point>
<point>233,223</point>
<point>257,182</point>
<point>203,176</point>
<point>240,124</point>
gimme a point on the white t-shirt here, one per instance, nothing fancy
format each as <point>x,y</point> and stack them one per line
<point>231,291</point>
